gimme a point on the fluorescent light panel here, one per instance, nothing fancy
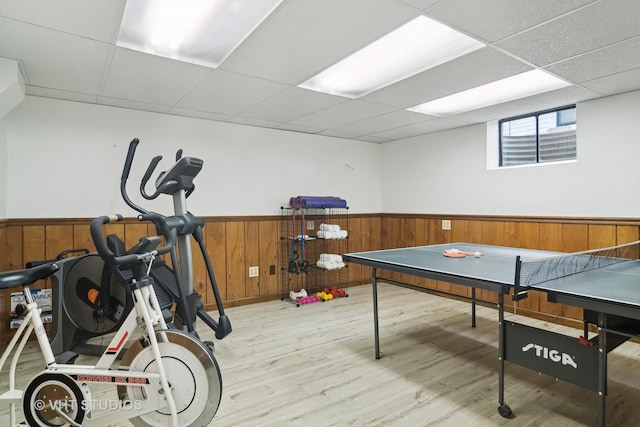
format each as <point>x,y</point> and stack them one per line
<point>515,87</point>
<point>415,47</point>
<point>201,32</point>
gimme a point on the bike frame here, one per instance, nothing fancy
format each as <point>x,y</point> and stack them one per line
<point>146,313</point>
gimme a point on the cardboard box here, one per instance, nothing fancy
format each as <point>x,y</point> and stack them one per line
<point>43,297</point>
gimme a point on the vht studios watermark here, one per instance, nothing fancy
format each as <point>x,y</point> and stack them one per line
<point>88,405</point>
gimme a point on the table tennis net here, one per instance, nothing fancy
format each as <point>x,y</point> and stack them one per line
<point>534,271</point>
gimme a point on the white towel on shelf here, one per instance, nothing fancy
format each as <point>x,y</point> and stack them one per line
<point>329,227</point>
<point>329,265</point>
<point>330,258</point>
<point>324,234</point>
<point>340,234</point>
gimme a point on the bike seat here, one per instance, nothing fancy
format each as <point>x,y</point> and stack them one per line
<point>14,278</point>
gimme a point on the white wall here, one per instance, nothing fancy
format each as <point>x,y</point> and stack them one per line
<point>11,94</point>
<point>69,155</point>
<point>446,172</point>
<point>3,170</point>
<point>65,160</point>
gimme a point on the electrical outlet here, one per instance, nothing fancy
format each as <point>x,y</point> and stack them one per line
<point>446,224</point>
<point>254,271</point>
<point>311,225</point>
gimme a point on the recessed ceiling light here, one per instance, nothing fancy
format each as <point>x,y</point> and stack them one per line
<point>415,47</point>
<point>202,32</point>
<point>515,87</point>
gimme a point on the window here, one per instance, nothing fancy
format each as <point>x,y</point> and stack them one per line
<point>546,136</point>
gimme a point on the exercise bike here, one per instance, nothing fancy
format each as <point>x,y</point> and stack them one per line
<point>165,377</point>
<point>88,303</point>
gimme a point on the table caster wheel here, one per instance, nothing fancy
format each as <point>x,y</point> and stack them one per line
<point>505,411</point>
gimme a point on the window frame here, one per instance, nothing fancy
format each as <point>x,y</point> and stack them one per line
<point>536,115</point>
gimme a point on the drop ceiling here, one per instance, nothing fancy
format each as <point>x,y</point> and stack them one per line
<point>67,50</point>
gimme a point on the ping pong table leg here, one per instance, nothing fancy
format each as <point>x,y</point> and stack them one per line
<point>504,409</point>
<point>374,286</point>
<point>473,307</point>
<point>602,367</point>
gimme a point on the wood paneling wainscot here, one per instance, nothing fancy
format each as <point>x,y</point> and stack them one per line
<point>236,243</point>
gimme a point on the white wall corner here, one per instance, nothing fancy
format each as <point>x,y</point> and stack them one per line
<point>4,174</point>
<point>12,91</point>
<point>493,145</point>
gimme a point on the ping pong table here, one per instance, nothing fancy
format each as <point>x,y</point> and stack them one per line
<point>609,295</point>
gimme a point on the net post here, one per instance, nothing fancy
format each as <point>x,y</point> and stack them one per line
<point>517,293</point>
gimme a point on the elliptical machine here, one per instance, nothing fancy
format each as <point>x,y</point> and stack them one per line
<point>177,182</point>
<point>87,300</point>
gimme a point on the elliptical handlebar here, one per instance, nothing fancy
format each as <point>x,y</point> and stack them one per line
<point>168,182</point>
<point>110,258</point>
<point>125,176</point>
<point>147,176</point>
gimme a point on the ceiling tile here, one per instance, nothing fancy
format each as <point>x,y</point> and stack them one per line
<point>53,59</point>
<point>421,4</point>
<point>339,134</point>
<point>198,114</point>
<point>369,138</point>
<point>149,78</point>
<point>594,26</point>
<point>291,104</point>
<point>391,120</point>
<point>253,122</point>
<point>507,17</point>
<point>341,114</point>
<point>421,128</point>
<point>487,64</point>
<point>229,93</point>
<point>616,83</point>
<point>133,105</point>
<point>303,37</point>
<point>60,94</point>
<point>299,128</point>
<point>603,62</point>
<point>98,20</point>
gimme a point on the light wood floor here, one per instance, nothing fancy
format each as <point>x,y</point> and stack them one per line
<point>314,365</point>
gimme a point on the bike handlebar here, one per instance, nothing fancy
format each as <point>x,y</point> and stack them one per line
<point>110,258</point>
<point>14,278</point>
<point>58,257</point>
